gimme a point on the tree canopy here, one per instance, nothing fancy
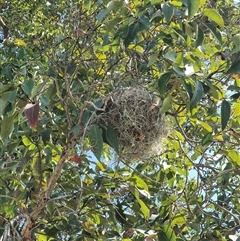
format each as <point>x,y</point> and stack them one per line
<point>62,176</point>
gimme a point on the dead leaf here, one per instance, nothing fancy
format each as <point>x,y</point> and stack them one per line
<point>31,112</point>
<point>76,159</point>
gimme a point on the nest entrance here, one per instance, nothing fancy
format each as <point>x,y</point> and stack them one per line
<point>133,113</point>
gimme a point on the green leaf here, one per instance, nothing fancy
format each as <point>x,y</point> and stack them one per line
<point>114,5</point>
<point>212,87</point>
<point>156,2</point>
<point>167,12</point>
<point>132,33</point>
<point>27,86</point>
<point>122,32</point>
<point>23,70</point>
<point>152,59</point>
<point>144,208</point>
<point>7,126</point>
<point>26,141</point>
<point>76,129</point>
<point>111,137</point>
<point>139,182</point>
<point>37,89</point>
<point>171,56</point>
<point>176,3</point>
<point>215,31</point>
<point>95,137</point>
<point>119,213</point>
<point>214,15</point>
<point>101,167</point>
<point>113,23</point>
<point>19,42</point>
<point>200,37</point>
<point>144,23</point>
<point>12,96</point>
<point>42,237</point>
<point>36,166</point>
<point>44,100</point>
<point>188,88</point>
<point>167,103</point>
<point>236,40</point>
<point>193,7</point>
<point>197,94</point>
<point>207,139</point>
<point>3,102</point>
<point>235,67</point>
<point>162,82</point>
<point>7,71</point>
<point>71,67</point>
<point>233,87</point>
<point>225,113</point>
<point>4,88</point>
<point>46,135</point>
<point>101,15</point>
<point>179,71</point>
<point>179,219</point>
<point>167,234</point>
<point>234,156</point>
<point>204,125</point>
<point>195,226</point>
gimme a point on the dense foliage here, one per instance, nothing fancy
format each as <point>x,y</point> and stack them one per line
<point>59,180</point>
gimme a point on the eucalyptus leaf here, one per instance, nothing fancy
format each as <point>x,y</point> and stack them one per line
<point>225,113</point>
<point>200,37</point>
<point>193,7</point>
<point>214,15</point>
<point>197,94</point>
<point>111,137</point>
<point>167,12</point>
<point>7,126</point>
<point>95,137</point>
<point>235,67</point>
<point>162,82</point>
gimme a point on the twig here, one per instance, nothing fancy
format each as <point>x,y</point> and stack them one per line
<point>95,107</point>
<point>190,141</point>
<point>27,228</point>
<point>5,30</point>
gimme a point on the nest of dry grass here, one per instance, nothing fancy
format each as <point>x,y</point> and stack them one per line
<point>133,113</point>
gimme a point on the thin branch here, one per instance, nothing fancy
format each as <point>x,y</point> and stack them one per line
<point>227,211</point>
<point>95,107</point>
<point>5,30</point>
<point>54,177</point>
<point>190,141</point>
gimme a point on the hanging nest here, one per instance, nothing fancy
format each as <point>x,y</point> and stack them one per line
<point>133,113</point>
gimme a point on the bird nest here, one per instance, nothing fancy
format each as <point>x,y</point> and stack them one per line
<point>133,113</point>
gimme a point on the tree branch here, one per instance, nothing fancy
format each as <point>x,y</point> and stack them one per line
<point>54,177</point>
<point>5,30</point>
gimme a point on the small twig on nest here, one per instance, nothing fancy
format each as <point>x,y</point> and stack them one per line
<point>97,108</point>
